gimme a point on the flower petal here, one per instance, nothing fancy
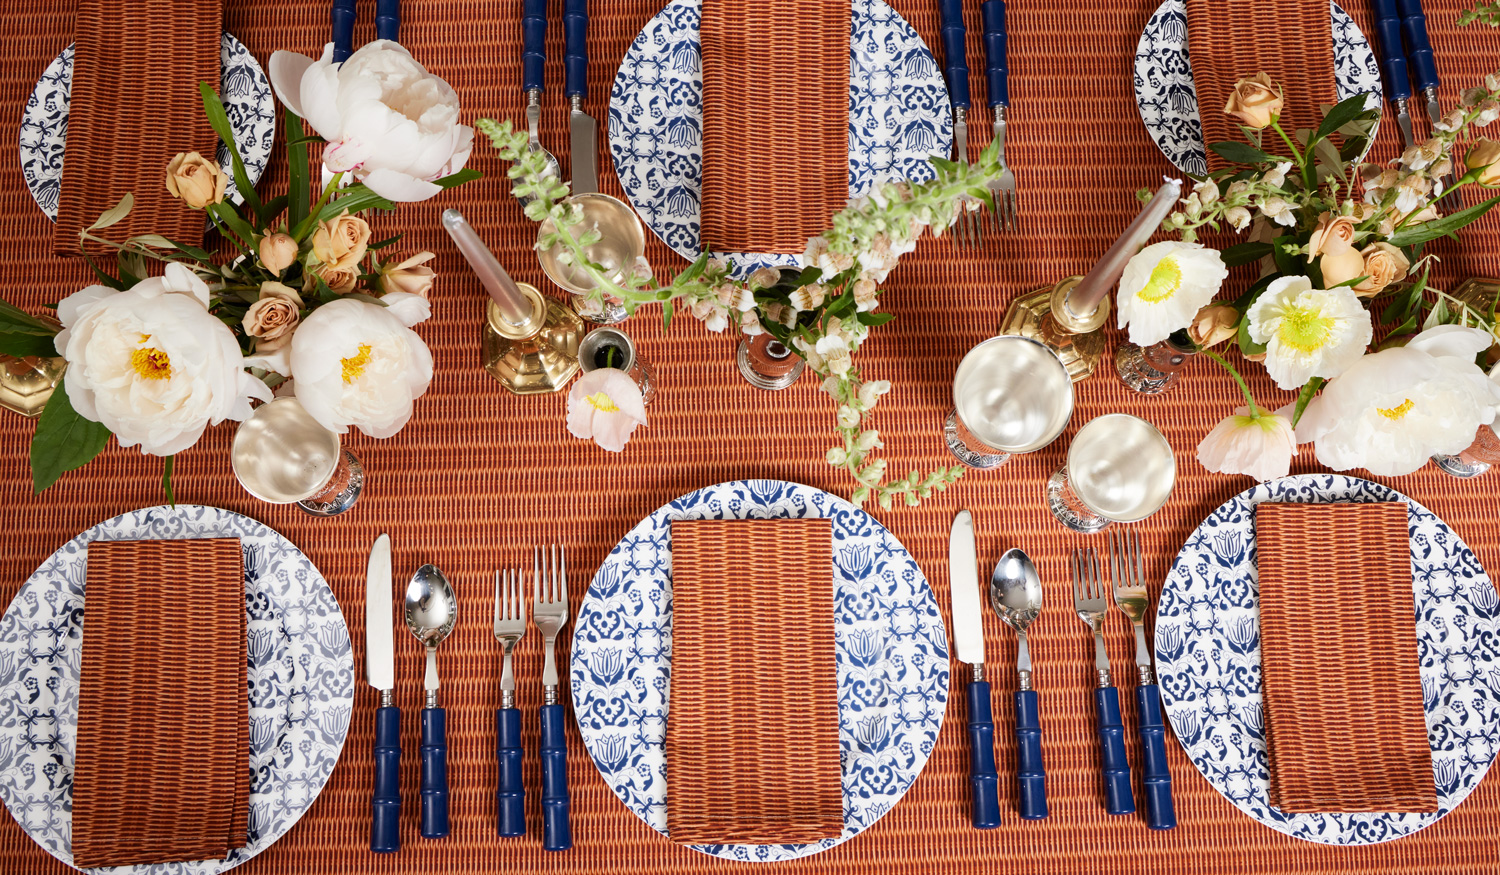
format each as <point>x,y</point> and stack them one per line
<point>396,186</point>
<point>287,69</point>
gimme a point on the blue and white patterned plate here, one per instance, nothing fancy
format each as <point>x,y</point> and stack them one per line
<point>892,657</point>
<point>1164,81</point>
<point>899,117</point>
<point>1208,658</point>
<point>299,674</point>
<point>44,123</point>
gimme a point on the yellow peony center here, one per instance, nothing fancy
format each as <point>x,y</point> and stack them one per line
<point>151,363</point>
<point>1397,413</point>
<point>1166,279</point>
<point>602,402</point>
<point>354,366</point>
<point>1304,329</point>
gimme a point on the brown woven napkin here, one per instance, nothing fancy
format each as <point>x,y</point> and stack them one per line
<point>161,772</point>
<point>134,105</point>
<point>753,717</point>
<point>1292,40</point>
<point>1346,727</point>
<point>775,122</point>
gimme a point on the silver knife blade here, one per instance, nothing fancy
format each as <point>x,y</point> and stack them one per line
<point>963,583</point>
<point>380,630</point>
<point>960,136</point>
<point>1403,121</point>
<point>1434,109</point>
<point>583,136</point>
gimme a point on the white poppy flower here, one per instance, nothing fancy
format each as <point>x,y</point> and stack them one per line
<point>152,364</point>
<point>606,405</point>
<point>1261,446</point>
<point>1308,332</point>
<point>356,363</point>
<point>1164,286</point>
<point>388,121</point>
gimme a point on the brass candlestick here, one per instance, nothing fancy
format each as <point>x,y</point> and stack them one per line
<point>1045,316</point>
<point>540,354</point>
<point>27,384</point>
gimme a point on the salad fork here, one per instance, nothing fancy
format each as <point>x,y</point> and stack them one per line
<point>997,74</point>
<point>549,610</point>
<point>1129,575</point>
<point>1091,603</point>
<point>510,628</point>
<point>966,230</point>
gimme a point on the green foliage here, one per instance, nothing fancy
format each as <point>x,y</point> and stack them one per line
<point>64,440</point>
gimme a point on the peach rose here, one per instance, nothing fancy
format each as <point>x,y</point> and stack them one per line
<point>1340,267</point>
<point>409,274</point>
<point>196,180</point>
<point>1256,101</point>
<point>340,242</point>
<point>340,280</point>
<point>1485,153</point>
<point>277,252</point>
<point>1384,264</point>
<point>1214,324</point>
<point>273,317</point>
<point>1333,236</point>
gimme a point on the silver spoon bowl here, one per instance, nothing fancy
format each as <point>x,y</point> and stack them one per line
<point>431,611</point>
<point>1016,595</point>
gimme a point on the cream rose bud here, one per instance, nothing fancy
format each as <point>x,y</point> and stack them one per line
<point>340,281</point>
<point>1484,156</point>
<point>340,242</point>
<point>1341,267</point>
<point>196,180</point>
<point>1256,101</point>
<point>1333,236</point>
<point>277,252</point>
<point>273,317</point>
<point>1384,264</point>
<point>1214,324</point>
<point>410,274</point>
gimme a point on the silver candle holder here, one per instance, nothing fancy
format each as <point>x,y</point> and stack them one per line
<point>1119,470</point>
<point>621,242</point>
<point>281,455</point>
<point>1152,370</point>
<point>1011,395</point>
<point>613,348</point>
<point>767,363</point>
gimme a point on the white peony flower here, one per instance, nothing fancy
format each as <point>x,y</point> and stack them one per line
<point>356,363</point>
<point>1308,332</point>
<point>386,119</point>
<point>152,364</point>
<point>1261,446</point>
<point>1395,408</point>
<point>1164,286</point>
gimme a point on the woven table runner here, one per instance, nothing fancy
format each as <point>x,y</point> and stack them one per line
<point>1346,727</point>
<point>753,718</point>
<point>775,121</point>
<point>161,771</point>
<point>1292,40</point>
<point>134,105</point>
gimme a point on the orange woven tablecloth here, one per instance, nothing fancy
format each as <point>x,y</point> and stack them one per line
<point>479,475</point>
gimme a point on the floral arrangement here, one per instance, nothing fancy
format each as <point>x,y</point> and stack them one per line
<point>1335,239</point>
<point>823,312</point>
<point>305,303</point>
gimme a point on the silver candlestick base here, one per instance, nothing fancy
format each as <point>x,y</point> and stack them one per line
<point>1152,370</point>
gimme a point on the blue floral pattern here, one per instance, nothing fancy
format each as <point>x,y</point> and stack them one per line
<point>1164,81</point>
<point>891,653</point>
<point>44,124</point>
<point>899,116</point>
<point>299,678</point>
<point>1208,659</point>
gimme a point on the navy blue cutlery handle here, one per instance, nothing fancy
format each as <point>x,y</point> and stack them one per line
<point>385,802</point>
<point>996,73</point>
<point>1158,780</point>
<point>1418,47</point>
<point>388,20</point>
<point>434,773</point>
<point>1031,775</point>
<point>1118,798</point>
<point>557,833</point>
<point>341,16</point>
<point>953,52</point>
<point>1392,59</point>
<point>984,783</point>
<point>533,45</point>
<point>510,798</point>
<point>576,53</point>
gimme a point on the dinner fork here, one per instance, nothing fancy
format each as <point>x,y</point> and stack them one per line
<point>510,628</point>
<point>966,231</point>
<point>997,74</point>
<point>1128,572</point>
<point>1091,603</point>
<point>549,610</point>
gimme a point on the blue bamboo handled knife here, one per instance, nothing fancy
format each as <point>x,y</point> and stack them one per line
<point>968,636</point>
<point>380,671</point>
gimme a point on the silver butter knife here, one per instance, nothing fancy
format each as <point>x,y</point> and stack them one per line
<point>380,671</point>
<point>968,637</point>
<point>583,133</point>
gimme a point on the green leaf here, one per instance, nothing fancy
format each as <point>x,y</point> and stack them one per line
<point>14,320</point>
<point>298,195</point>
<point>218,119</point>
<point>225,215</point>
<point>1287,264</point>
<point>1345,112</point>
<point>381,244</point>
<point>1306,395</point>
<point>166,480</point>
<point>99,274</point>
<point>1241,153</point>
<point>808,276</point>
<point>155,240</point>
<point>1411,235</point>
<point>1248,346</point>
<point>64,440</point>
<point>1330,159</point>
<point>873,319</point>
<point>667,309</point>
<point>1244,253</point>
<point>114,214</point>
<point>22,345</point>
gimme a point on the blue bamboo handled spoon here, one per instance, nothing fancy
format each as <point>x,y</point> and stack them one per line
<point>1016,595</point>
<point>431,611</point>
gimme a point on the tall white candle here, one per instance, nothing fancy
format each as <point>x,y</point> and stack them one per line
<point>1085,297</point>
<point>514,307</point>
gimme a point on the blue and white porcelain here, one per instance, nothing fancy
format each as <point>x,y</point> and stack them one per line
<point>891,653</point>
<point>1208,659</point>
<point>44,123</point>
<point>899,117</point>
<point>299,678</point>
<point>1164,80</point>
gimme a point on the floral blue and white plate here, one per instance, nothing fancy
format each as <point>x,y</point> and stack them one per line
<point>1208,659</point>
<point>899,116</point>
<point>299,679</point>
<point>44,123</point>
<point>1164,80</point>
<point>891,653</point>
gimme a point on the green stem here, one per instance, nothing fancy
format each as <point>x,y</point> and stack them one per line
<point>166,481</point>
<point>1239,381</point>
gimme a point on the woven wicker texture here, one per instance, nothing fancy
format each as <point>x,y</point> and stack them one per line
<point>161,772</point>
<point>479,476</point>
<point>1336,623</point>
<point>752,624</point>
<point>135,81</point>
<point>775,131</point>
<point>1292,40</point>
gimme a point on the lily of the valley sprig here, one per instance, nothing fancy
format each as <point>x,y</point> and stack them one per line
<point>824,311</point>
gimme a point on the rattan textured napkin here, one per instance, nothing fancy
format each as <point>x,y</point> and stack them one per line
<point>134,105</point>
<point>1345,723</point>
<point>1292,40</point>
<point>161,771</point>
<point>775,122</point>
<point>753,716</point>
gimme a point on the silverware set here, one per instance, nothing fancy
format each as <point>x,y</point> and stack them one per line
<point>968,227</point>
<point>583,132</point>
